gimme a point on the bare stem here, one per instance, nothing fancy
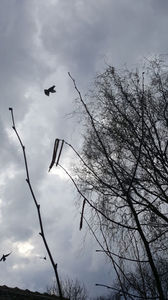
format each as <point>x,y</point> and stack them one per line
<point>42,234</point>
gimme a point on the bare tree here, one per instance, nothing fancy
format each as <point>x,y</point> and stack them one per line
<point>143,282</point>
<point>124,168</point>
<point>71,289</point>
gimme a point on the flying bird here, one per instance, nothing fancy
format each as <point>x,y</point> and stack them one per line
<point>3,258</point>
<point>43,258</point>
<point>50,90</point>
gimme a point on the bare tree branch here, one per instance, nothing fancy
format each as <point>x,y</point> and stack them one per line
<point>42,234</point>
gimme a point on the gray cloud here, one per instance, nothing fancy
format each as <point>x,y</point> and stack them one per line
<point>40,42</point>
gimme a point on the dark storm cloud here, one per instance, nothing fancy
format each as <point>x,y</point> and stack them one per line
<point>77,31</point>
<point>15,49</point>
<point>83,33</point>
<point>20,69</point>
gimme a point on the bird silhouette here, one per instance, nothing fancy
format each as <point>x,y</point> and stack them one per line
<point>3,258</point>
<point>50,90</point>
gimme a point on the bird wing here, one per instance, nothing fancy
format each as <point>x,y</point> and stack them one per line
<point>7,254</point>
<point>51,89</point>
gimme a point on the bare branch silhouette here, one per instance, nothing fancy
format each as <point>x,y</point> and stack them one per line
<point>41,233</point>
<point>125,167</point>
<point>125,292</point>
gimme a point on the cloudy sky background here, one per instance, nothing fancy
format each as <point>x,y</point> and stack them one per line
<point>40,41</point>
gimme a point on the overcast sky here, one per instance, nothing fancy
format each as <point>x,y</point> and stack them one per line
<point>40,41</point>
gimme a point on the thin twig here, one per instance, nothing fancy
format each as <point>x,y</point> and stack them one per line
<point>95,208</point>
<point>122,257</point>
<point>129,294</point>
